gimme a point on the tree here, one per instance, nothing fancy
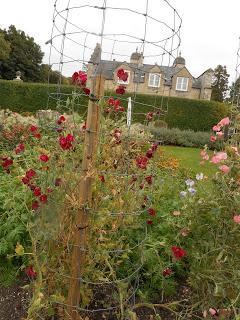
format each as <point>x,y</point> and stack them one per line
<point>52,76</point>
<point>4,48</point>
<point>25,56</point>
<point>220,83</point>
<point>235,92</point>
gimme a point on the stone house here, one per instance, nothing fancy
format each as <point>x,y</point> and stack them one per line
<point>174,81</point>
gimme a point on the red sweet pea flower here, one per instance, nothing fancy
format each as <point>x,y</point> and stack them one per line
<point>86,91</point>
<point>44,157</point>
<point>19,148</point>
<point>66,142</point>
<point>154,146</point>
<point>37,135</point>
<point>117,103</point>
<point>6,164</point>
<point>121,90</point>
<point>49,190</point>
<point>107,110</point>
<point>102,178</point>
<point>149,153</point>
<point>152,212</point>
<point>79,78</point>
<point>25,180</point>
<point>33,128</point>
<point>30,272</point>
<point>167,272</point>
<point>149,116</point>
<point>142,162</point>
<point>111,101</point>
<point>122,75</point>
<point>178,252</point>
<point>30,173</point>
<point>61,120</point>
<point>121,109</point>
<point>43,198</point>
<point>37,191</point>
<point>149,222</point>
<point>149,179</point>
<point>35,205</point>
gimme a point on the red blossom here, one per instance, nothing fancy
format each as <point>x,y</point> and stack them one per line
<point>35,205</point>
<point>167,272</point>
<point>142,162</point>
<point>66,142</point>
<point>30,173</point>
<point>121,90</point>
<point>43,198</point>
<point>49,190</point>
<point>149,222</point>
<point>61,119</point>
<point>154,146</point>
<point>149,116</point>
<point>107,110</point>
<point>111,101</point>
<point>19,148</point>
<point>121,109</point>
<point>141,186</point>
<point>44,157</point>
<point>178,252</point>
<point>79,78</point>
<point>37,135</point>
<point>102,178</point>
<point>37,191</point>
<point>86,91</point>
<point>33,128</point>
<point>149,153</point>
<point>30,272</point>
<point>7,163</point>
<point>152,212</point>
<point>149,179</point>
<point>25,180</point>
<point>122,75</point>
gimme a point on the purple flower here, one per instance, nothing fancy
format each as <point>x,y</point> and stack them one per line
<point>199,176</point>
<point>189,182</point>
<point>192,190</point>
<point>183,194</point>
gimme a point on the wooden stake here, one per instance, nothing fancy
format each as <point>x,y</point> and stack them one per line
<point>85,196</point>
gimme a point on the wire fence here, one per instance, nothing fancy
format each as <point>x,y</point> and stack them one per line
<point>99,38</point>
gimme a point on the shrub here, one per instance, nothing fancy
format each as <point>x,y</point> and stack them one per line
<point>185,138</point>
<point>197,115</point>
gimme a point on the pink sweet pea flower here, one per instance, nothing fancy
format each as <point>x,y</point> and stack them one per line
<point>212,311</point>
<point>204,155</point>
<point>224,169</point>
<point>236,219</point>
<point>213,138</point>
<point>219,134</point>
<point>224,122</point>
<point>219,157</point>
<point>216,128</point>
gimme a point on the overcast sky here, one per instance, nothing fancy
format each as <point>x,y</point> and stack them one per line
<point>209,34</point>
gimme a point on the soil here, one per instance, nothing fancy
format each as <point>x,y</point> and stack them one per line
<point>14,300</point>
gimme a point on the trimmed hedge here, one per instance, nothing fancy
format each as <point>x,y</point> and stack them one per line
<point>184,138</point>
<point>197,115</point>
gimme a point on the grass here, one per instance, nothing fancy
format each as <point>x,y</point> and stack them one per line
<point>190,159</point>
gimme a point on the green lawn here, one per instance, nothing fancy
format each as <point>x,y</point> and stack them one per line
<point>190,158</point>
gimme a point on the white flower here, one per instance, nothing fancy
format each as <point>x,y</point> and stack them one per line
<point>192,190</point>
<point>183,194</point>
<point>199,176</point>
<point>189,182</point>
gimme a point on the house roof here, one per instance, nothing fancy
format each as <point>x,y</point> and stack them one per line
<point>107,68</point>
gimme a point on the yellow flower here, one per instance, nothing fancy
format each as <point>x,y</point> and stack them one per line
<point>19,249</point>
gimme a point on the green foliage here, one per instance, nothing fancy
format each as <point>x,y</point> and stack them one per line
<point>160,124</point>
<point>185,138</point>
<point>235,92</point>
<point>220,84</point>
<point>4,48</point>
<point>51,76</point>
<point>197,115</point>
<point>25,56</point>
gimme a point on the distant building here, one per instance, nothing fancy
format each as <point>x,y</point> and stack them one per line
<point>174,81</point>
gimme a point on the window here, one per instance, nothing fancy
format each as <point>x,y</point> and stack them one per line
<point>182,84</point>
<point>154,80</point>
<point>124,82</point>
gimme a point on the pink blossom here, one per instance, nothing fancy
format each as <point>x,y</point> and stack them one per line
<point>224,122</point>
<point>204,155</point>
<point>216,128</point>
<point>236,219</point>
<point>213,138</point>
<point>219,134</point>
<point>212,311</point>
<point>224,169</point>
<point>219,157</point>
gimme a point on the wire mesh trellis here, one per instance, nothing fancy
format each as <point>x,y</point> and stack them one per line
<point>100,37</point>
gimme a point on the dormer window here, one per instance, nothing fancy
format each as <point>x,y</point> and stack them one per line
<point>182,84</point>
<point>154,80</point>
<point>124,82</point>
